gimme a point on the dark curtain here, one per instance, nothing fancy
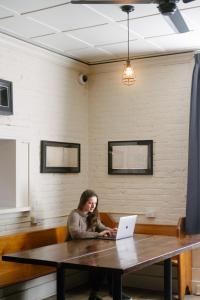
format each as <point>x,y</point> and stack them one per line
<point>193,187</point>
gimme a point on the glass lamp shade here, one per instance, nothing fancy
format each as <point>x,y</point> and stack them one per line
<point>128,76</point>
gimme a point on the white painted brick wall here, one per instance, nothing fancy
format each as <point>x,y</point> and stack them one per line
<point>157,108</point>
<point>49,104</point>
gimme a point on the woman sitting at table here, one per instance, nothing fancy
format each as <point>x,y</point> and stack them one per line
<point>84,223</point>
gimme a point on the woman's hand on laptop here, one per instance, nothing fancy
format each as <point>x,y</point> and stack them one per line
<point>105,233</point>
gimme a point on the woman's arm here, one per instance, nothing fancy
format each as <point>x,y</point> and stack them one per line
<point>78,228</point>
<point>100,226</point>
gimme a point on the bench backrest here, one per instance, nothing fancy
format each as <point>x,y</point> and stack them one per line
<point>32,239</point>
<point>156,229</point>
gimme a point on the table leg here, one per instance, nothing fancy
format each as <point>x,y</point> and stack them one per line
<point>167,279</point>
<point>117,286</point>
<point>60,283</point>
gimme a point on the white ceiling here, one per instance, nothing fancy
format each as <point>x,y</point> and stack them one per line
<point>98,33</point>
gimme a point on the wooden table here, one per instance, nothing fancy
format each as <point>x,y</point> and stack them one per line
<point>117,257</point>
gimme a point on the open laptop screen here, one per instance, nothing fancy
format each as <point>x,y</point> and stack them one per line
<point>125,229</point>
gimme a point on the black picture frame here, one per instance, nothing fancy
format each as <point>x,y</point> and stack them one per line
<point>60,157</point>
<point>6,97</point>
<point>130,157</point>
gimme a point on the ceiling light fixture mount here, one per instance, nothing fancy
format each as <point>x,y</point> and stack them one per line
<point>128,76</point>
<point>167,7</point>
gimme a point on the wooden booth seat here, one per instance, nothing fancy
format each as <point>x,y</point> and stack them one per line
<point>183,261</point>
<point>12,273</point>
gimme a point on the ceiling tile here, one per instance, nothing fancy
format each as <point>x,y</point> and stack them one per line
<point>114,12</point>
<point>179,42</point>
<point>192,17</point>
<point>60,42</point>
<point>69,17</point>
<point>137,47</point>
<point>143,47</point>
<point>22,6</point>
<point>90,54</point>
<point>142,10</point>
<point>21,26</point>
<point>104,34</point>
<point>4,13</point>
<point>148,26</point>
<point>118,50</point>
<point>111,11</point>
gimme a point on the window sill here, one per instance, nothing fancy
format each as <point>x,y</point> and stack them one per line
<point>14,210</point>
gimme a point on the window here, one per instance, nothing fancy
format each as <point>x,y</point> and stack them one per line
<point>14,173</point>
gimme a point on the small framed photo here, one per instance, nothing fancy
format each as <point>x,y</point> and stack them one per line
<point>6,97</point>
<point>58,157</point>
<point>130,157</point>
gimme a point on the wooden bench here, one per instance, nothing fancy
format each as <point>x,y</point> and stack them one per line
<point>182,261</point>
<point>13,273</point>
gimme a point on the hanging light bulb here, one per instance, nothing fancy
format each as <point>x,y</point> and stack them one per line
<point>128,76</point>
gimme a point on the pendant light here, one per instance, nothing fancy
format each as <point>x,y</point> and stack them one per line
<point>128,76</point>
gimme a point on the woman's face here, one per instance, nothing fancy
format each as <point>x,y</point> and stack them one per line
<point>90,205</point>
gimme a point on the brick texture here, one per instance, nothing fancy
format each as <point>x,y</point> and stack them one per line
<point>156,107</point>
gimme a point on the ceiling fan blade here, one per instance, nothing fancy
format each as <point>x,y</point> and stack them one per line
<point>187,1</point>
<point>176,21</point>
<point>111,1</point>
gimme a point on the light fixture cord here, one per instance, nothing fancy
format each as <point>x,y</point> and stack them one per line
<point>128,35</point>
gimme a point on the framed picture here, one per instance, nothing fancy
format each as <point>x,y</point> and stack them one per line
<point>130,157</point>
<point>6,97</point>
<point>58,157</point>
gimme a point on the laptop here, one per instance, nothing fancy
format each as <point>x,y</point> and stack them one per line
<point>125,228</point>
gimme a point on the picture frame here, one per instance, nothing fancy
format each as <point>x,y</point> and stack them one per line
<point>130,157</point>
<point>6,97</point>
<point>60,157</point>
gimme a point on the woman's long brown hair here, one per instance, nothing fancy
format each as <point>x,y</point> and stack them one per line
<point>92,217</point>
